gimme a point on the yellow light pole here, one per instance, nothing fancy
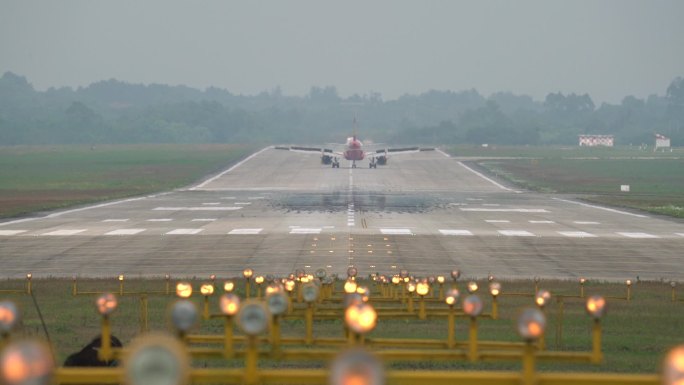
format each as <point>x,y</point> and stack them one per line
<point>455,274</point>
<point>536,284</point>
<point>472,306</point>
<point>310,295</point>
<point>422,289</point>
<point>247,274</point>
<point>404,275</point>
<point>596,307</point>
<point>582,281</point>
<point>629,289</point>
<point>451,300</point>
<point>289,287</point>
<point>541,299</point>
<point>277,303</point>
<point>29,290</point>
<point>207,289</point>
<point>411,288</point>
<point>184,314</point>
<point>121,285</point>
<point>395,286</point>
<point>253,320</point>
<point>167,289</point>
<point>74,286</point>
<point>673,285</point>
<point>230,305</point>
<point>440,281</point>
<point>495,290</point>
<point>259,280</point>
<point>105,304</point>
<point>530,325</point>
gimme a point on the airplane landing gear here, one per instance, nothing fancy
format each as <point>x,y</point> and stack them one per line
<point>353,164</point>
<point>373,163</point>
<point>335,163</point>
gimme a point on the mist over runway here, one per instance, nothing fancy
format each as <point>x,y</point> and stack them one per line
<point>280,210</point>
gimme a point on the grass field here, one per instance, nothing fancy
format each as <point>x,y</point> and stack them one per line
<point>34,178</point>
<point>656,180</point>
<point>636,333</point>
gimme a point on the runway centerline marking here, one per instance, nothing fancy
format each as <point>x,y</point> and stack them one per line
<point>125,232</point>
<point>497,221</point>
<point>577,234</point>
<point>160,220</point>
<point>305,230</point>
<point>396,231</point>
<point>484,210</point>
<point>11,232</point>
<point>244,231</point>
<point>116,220</point>
<point>600,208</point>
<point>543,222</point>
<point>456,232</point>
<point>516,233</point>
<point>639,235</point>
<point>204,220</point>
<point>586,223</point>
<point>184,231</point>
<point>64,232</point>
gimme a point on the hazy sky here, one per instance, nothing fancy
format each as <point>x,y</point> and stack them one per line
<point>606,48</point>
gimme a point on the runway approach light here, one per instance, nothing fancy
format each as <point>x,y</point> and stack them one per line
<point>289,285</point>
<point>472,287</point>
<point>352,271</point>
<point>121,277</point>
<point>422,288</point>
<point>411,287</point>
<point>184,315</point>
<point>455,274</point>
<point>628,282</point>
<point>9,317</point>
<point>490,278</point>
<point>273,288</point>
<point>253,318</point>
<point>531,324</point>
<point>472,305</point>
<point>440,279</point>
<point>582,280</point>
<point>106,304</point>
<point>310,292</point>
<point>364,292</point>
<point>596,306</point>
<point>494,289</point>
<point>26,362</point>
<point>673,367</point>
<point>207,289</point>
<point>277,303</point>
<point>452,297</point>
<point>356,367</point>
<point>229,304</point>
<point>247,273</point>
<point>542,298</point>
<point>156,359</point>
<point>350,287</point>
<point>259,279</point>
<point>29,276</point>
<point>361,318</point>
<point>184,289</point>
<point>396,279</point>
<point>228,286</point>
<point>404,273</point>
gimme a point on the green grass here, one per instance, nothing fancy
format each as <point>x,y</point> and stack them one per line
<point>36,178</point>
<point>636,333</point>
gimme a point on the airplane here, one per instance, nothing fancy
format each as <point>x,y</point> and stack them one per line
<point>353,151</point>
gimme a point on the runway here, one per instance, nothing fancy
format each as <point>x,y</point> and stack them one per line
<point>280,210</point>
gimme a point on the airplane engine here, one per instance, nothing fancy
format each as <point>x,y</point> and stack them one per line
<point>381,160</point>
<point>326,159</point>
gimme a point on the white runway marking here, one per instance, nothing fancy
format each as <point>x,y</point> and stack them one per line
<point>601,208</point>
<point>255,198</point>
<point>505,210</point>
<point>160,220</point>
<point>204,220</point>
<point>242,203</point>
<point>229,198</point>
<point>304,230</point>
<point>64,232</point>
<point>396,231</point>
<point>586,223</point>
<point>474,199</point>
<point>443,153</point>
<point>244,231</point>
<point>487,179</point>
<point>680,234</point>
<point>516,233</point>
<point>491,204</point>
<point>458,204</point>
<point>116,220</point>
<point>240,163</point>
<point>209,208</point>
<point>639,235</point>
<point>184,231</point>
<point>497,221</point>
<point>211,203</point>
<point>543,222</point>
<point>11,232</point>
<point>577,234</point>
<point>125,232</point>
<point>456,232</point>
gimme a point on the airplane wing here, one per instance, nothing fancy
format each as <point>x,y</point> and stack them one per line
<point>382,155</point>
<point>327,154</point>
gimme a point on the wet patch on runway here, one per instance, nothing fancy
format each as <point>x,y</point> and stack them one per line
<point>362,201</point>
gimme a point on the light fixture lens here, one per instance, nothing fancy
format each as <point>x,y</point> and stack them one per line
<point>184,315</point>
<point>26,362</point>
<point>106,304</point>
<point>253,318</point>
<point>472,287</point>
<point>531,324</point>
<point>184,289</point>
<point>452,297</point>
<point>472,305</point>
<point>494,289</point>
<point>361,318</point>
<point>207,289</point>
<point>9,316</point>
<point>277,303</point>
<point>596,306</point>
<point>229,304</point>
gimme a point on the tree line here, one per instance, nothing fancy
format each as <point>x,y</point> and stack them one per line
<point>117,112</point>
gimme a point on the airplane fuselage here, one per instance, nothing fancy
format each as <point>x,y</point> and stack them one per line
<point>353,150</point>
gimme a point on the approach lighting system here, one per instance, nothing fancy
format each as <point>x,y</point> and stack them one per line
<point>229,304</point>
<point>26,362</point>
<point>422,288</point>
<point>455,274</point>
<point>259,279</point>
<point>356,367</point>
<point>273,288</point>
<point>310,292</point>
<point>411,287</point>
<point>228,286</point>
<point>253,318</point>
<point>106,304</point>
<point>396,279</point>
<point>29,276</point>
<point>472,305</point>
<point>596,306</point>
<point>582,281</point>
<point>352,271</point>
<point>440,279</point>
<point>673,367</point>
<point>490,278</point>
<point>184,315</point>
<point>207,289</point>
<point>361,318</point>
<point>628,282</point>
<point>452,297</point>
<point>404,273</point>
<point>320,273</point>
<point>9,317</point>
<point>121,277</point>
<point>364,292</point>
<point>531,324</point>
<point>673,284</point>
<point>472,287</point>
<point>350,286</point>
<point>494,289</point>
<point>277,303</point>
<point>542,298</point>
<point>247,273</point>
<point>184,289</point>
<point>289,285</point>
<point>156,359</point>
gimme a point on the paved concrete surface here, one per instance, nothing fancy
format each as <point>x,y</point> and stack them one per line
<point>281,210</point>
